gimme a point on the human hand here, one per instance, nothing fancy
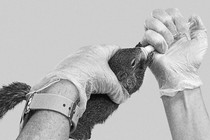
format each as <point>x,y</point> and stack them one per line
<point>89,71</point>
<point>177,69</point>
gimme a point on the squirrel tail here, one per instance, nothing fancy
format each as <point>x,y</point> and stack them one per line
<point>12,95</point>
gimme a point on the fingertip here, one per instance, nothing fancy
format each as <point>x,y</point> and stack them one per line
<point>156,40</point>
<point>156,12</point>
<point>144,41</point>
<point>197,28</point>
<point>163,48</point>
<point>174,11</point>
<point>119,95</point>
<point>114,48</point>
<point>196,23</point>
<point>110,49</point>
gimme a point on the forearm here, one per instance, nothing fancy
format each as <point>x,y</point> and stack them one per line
<point>49,124</point>
<point>46,125</point>
<point>187,115</point>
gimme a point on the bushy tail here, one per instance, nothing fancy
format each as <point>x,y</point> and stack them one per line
<point>12,95</point>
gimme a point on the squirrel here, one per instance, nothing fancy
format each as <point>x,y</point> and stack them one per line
<point>129,65</point>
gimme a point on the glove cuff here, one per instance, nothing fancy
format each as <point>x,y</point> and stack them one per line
<point>181,86</point>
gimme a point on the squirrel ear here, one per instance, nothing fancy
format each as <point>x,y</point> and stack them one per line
<point>138,45</point>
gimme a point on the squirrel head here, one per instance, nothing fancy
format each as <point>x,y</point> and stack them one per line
<point>129,65</point>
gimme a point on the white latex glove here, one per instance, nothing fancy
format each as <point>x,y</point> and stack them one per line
<point>89,71</point>
<point>177,69</point>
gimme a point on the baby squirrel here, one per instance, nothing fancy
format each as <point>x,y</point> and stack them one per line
<point>129,66</point>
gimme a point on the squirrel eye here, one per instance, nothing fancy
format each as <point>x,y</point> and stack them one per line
<point>133,62</point>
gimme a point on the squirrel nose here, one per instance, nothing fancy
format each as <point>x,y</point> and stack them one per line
<point>131,82</point>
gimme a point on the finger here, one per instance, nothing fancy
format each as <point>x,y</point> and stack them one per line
<point>179,20</point>
<point>110,50</point>
<point>118,95</point>
<point>109,84</point>
<point>165,19</point>
<point>156,40</point>
<point>105,51</point>
<point>197,28</point>
<point>159,27</point>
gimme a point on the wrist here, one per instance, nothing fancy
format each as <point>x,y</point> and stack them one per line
<point>187,115</point>
<point>60,98</point>
<point>45,124</point>
<point>171,82</point>
<point>181,85</point>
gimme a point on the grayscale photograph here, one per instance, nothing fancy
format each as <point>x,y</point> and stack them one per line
<point>104,70</point>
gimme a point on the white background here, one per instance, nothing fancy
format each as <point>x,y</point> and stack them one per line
<point>36,34</point>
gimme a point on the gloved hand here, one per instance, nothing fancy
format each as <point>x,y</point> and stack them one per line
<point>89,71</point>
<point>177,69</point>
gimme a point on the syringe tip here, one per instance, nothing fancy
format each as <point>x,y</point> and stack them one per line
<point>148,49</point>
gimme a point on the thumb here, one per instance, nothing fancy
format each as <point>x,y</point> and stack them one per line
<point>154,58</point>
<point>199,37</point>
<point>197,28</point>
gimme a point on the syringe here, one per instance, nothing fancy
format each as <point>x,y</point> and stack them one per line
<point>148,49</point>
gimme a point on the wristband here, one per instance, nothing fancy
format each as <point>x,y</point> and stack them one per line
<point>53,102</point>
<point>36,100</point>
